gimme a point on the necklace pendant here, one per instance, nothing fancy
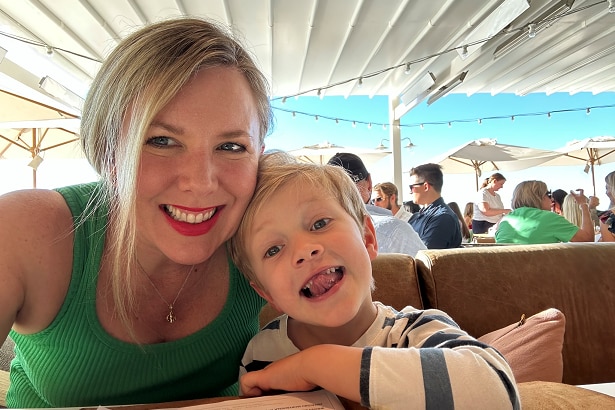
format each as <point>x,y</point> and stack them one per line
<point>171,316</point>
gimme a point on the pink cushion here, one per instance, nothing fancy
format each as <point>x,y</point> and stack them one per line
<point>533,346</point>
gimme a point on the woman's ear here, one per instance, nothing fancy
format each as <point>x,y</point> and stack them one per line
<point>263,294</point>
<point>369,238</point>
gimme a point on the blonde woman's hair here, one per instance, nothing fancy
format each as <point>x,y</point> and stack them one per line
<point>278,170</point>
<point>140,76</point>
<point>529,194</point>
<point>571,210</point>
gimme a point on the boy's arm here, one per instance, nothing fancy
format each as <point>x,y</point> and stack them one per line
<point>332,367</point>
<point>428,361</point>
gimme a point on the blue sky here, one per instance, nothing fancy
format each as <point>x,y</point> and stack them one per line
<point>537,131</point>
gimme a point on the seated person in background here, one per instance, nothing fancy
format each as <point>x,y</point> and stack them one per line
<point>315,265</point>
<point>387,197</point>
<point>571,211</point>
<point>468,214</point>
<point>412,207</point>
<point>488,208</point>
<point>393,234</point>
<point>607,218</point>
<point>466,234</point>
<point>557,201</point>
<point>532,221</point>
<point>436,223</point>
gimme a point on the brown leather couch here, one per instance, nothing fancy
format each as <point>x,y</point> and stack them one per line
<point>487,288</point>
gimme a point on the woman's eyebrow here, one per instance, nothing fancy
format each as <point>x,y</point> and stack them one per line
<point>171,128</point>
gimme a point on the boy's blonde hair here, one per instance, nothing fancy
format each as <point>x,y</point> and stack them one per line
<point>275,172</point>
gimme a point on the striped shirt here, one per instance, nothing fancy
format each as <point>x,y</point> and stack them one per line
<point>412,359</point>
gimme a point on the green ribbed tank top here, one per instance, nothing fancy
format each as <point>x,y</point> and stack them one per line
<point>74,362</point>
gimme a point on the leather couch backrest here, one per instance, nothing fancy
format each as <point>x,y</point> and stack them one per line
<point>487,288</point>
<point>395,280</point>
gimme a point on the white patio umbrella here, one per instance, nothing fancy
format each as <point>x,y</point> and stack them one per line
<point>590,151</point>
<point>484,155</point>
<point>40,139</point>
<point>320,153</point>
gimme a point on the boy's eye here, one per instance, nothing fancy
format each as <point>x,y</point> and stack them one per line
<point>232,146</point>
<point>321,223</point>
<point>272,251</point>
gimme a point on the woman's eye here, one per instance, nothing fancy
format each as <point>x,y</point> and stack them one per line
<point>160,141</point>
<point>272,251</point>
<point>232,146</point>
<point>321,223</point>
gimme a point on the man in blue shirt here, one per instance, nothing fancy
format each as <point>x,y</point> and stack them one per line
<point>436,223</point>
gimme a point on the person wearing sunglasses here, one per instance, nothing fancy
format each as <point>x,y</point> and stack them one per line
<point>387,198</point>
<point>393,235</point>
<point>436,223</point>
<point>532,221</point>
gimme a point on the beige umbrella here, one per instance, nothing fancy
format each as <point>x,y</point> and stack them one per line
<point>589,151</point>
<point>487,155</point>
<point>320,153</point>
<point>34,130</point>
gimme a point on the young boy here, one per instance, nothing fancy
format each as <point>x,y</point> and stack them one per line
<point>306,243</point>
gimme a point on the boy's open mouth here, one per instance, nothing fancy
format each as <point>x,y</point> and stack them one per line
<point>320,283</point>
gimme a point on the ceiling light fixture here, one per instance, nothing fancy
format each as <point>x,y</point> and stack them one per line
<point>448,87</point>
<point>415,94</point>
<point>60,92</point>
<point>494,23</point>
<point>544,21</point>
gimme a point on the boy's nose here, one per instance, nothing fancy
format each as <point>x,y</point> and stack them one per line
<point>307,254</point>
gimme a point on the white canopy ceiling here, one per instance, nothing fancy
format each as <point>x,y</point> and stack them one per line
<point>306,45</point>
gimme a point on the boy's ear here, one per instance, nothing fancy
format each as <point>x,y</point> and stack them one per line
<point>369,237</point>
<point>263,294</point>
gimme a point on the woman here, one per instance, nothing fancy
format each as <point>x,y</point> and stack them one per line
<point>571,211</point>
<point>488,208</point>
<point>121,291</point>
<point>607,219</point>
<point>532,221</point>
<point>468,213</point>
<point>466,234</point>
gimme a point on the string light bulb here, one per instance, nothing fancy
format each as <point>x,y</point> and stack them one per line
<point>407,70</point>
<point>283,100</point>
<point>464,51</point>
<point>548,115</point>
<point>611,6</point>
<point>587,111</point>
<point>360,84</point>
<point>480,121</point>
<point>49,50</point>
<point>531,30</point>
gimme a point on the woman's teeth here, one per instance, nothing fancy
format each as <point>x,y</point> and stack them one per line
<point>191,218</point>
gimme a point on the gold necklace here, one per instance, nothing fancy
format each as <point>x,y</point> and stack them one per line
<point>171,316</point>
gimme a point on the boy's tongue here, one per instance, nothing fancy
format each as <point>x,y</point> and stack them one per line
<point>322,282</point>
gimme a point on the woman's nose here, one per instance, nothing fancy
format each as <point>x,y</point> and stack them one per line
<point>198,173</point>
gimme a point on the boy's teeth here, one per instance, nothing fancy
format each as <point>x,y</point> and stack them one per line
<point>192,218</point>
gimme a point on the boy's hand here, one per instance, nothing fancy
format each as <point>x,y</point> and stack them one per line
<point>283,374</point>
